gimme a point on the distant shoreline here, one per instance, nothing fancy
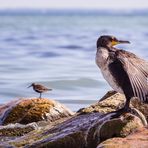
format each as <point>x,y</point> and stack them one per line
<point>74,11</point>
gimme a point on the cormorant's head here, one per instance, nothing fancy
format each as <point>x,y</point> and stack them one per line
<point>109,41</point>
<point>33,84</point>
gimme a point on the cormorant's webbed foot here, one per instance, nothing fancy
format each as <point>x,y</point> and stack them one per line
<point>121,111</point>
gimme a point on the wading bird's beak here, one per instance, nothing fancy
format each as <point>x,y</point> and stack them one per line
<point>29,86</point>
<point>123,42</point>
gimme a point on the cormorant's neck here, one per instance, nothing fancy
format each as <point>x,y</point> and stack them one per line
<point>110,49</point>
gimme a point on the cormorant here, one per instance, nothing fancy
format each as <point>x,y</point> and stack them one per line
<point>124,71</point>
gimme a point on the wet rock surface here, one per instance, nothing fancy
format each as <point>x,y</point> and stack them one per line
<point>113,101</point>
<point>142,107</point>
<point>17,129</point>
<point>25,111</point>
<point>110,102</point>
<point>85,129</point>
<point>139,139</point>
<point>79,131</point>
<point>122,126</point>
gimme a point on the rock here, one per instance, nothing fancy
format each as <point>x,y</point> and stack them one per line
<point>110,102</point>
<point>85,129</point>
<point>118,127</point>
<point>17,129</point>
<point>122,127</point>
<point>71,133</point>
<point>140,115</point>
<point>25,111</point>
<point>107,95</point>
<point>113,101</point>
<point>79,131</point>
<point>142,107</point>
<point>139,139</point>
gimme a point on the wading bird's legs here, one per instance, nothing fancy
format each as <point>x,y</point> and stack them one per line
<point>40,95</point>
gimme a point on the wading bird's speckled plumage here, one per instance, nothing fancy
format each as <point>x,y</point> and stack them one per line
<point>39,88</point>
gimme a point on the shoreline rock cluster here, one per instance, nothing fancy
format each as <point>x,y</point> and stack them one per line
<point>41,123</point>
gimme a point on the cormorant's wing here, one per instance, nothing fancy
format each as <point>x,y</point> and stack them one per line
<point>137,71</point>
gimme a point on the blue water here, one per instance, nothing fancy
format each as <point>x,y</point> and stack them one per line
<point>58,51</point>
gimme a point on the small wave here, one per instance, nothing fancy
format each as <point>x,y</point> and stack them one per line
<point>73,84</point>
<point>72,47</point>
<point>49,54</point>
<point>44,54</point>
<point>10,39</point>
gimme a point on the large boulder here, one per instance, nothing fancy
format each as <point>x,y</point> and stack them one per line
<point>14,130</point>
<point>79,131</point>
<point>84,130</point>
<point>87,128</point>
<point>113,101</point>
<point>110,102</point>
<point>142,107</point>
<point>139,139</point>
<point>120,127</point>
<point>32,110</point>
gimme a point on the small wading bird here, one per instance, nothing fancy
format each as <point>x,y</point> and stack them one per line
<point>39,88</point>
<point>124,71</point>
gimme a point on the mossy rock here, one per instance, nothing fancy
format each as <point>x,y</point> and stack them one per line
<point>25,111</point>
<point>17,129</point>
<point>110,102</point>
<point>74,140</point>
<point>87,128</point>
<point>77,132</point>
<point>120,127</point>
<point>138,139</point>
<point>142,107</point>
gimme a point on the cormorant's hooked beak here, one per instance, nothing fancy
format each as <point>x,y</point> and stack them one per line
<point>120,42</point>
<point>123,42</point>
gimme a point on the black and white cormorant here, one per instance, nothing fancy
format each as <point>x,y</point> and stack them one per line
<point>124,71</point>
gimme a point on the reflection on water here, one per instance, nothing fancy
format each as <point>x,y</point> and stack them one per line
<point>58,50</point>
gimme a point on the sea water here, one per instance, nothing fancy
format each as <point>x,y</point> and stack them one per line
<point>57,49</point>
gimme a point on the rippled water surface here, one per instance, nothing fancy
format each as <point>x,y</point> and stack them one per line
<point>58,51</point>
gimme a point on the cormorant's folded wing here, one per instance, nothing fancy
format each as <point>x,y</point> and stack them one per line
<point>137,71</point>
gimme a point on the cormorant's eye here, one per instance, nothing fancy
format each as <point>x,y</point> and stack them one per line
<point>114,39</point>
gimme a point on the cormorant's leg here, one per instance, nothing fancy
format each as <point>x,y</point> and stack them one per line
<point>125,109</point>
<point>122,78</point>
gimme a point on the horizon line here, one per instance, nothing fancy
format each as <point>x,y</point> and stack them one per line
<point>75,9</point>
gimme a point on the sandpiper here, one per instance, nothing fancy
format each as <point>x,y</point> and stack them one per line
<point>39,88</point>
<point>124,71</point>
